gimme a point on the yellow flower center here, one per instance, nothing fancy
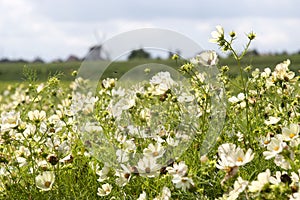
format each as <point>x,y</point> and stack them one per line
<point>183,180</point>
<point>47,184</point>
<point>266,142</point>
<point>292,135</point>
<point>147,170</point>
<point>155,153</point>
<point>240,159</point>
<point>276,148</point>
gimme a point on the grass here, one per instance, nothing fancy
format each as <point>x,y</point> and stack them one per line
<point>13,72</point>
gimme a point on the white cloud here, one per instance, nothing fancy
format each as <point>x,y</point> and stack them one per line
<point>53,29</point>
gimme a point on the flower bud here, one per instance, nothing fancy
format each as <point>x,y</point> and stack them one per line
<point>232,34</point>
<point>251,36</point>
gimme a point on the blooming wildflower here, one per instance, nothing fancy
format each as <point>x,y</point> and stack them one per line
<point>290,133</point>
<point>182,182</point>
<point>56,144</point>
<point>178,168</point>
<point>125,103</point>
<point>108,83</point>
<point>274,147</point>
<point>265,140</point>
<point>295,196</point>
<point>148,167</point>
<point>266,73</point>
<point>262,179</point>
<point>122,156</point>
<point>37,115</point>
<point>143,196</point>
<point>165,195</point>
<point>206,58</point>
<point>104,190</point>
<point>161,82</point>
<point>145,114</point>
<point>272,120</point>
<point>282,162</point>
<point>45,181</point>
<point>277,179</point>
<point>21,161</point>
<point>118,92</point>
<point>103,173</point>
<point>231,157</point>
<point>281,71</point>
<point>156,150</point>
<point>241,96</point>
<point>124,175</point>
<point>233,99</point>
<point>217,35</point>
<point>184,97</point>
<point>239,186</point>
<point>43,164</point>
<point>234,156</point>
<point>10,120</point>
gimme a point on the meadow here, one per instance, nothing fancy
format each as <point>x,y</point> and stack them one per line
<point>212,128</point>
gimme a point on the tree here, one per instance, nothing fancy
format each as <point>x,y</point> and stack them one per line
<point>139,54</point>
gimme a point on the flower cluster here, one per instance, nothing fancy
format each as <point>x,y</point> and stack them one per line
<point>144,140</point>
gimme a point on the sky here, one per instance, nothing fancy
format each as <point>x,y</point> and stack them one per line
<point>52,29</point>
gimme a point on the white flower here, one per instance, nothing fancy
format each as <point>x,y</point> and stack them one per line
<point>124,175</point>
<point>239,186</point>
<point>104,190</point>
<point>165,195</point>
<point>10,120</point>
<point>178,168</point>
<point>282,71</point>
<point>45,181</point>
<point>156,151</point>
<point>37,115</point>
<point>262,179</point>
<point>118,92</point>
<point>282,162</point>
<point>161,82</point>
<point>125,103</point>
<point>182,182</point>
<point>206,58</point>
<point>295,196</point>
<point>122,156</point>
<point>184,97</point>
<point>277,179</point>
<point>233,156</point>
<point>22,161</point>
<point>233,100</point>
<point>103,173</point>
<point>241,96</point>
<point>272,120</point>
<point>143,196</point>
<point>274,147</point>
<point>290,133</point>
<point>217,35</point>
<point>266,73</point>
<point>108,83</point>
<point>148,167</point>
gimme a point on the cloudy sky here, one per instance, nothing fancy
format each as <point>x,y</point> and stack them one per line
<point>53,29</point>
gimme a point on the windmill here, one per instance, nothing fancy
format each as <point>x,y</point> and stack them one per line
<point>97,52</point>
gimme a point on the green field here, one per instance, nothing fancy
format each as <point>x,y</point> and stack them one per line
<point>13,72</point>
